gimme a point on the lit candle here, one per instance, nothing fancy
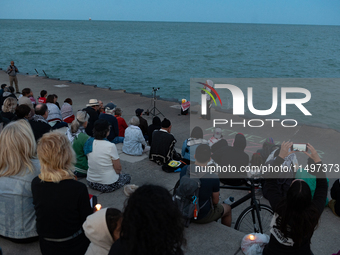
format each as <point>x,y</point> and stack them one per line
<point>251,237</point>
<point>98,206</point>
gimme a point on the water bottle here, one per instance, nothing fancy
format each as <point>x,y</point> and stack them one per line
<point>229,201</point>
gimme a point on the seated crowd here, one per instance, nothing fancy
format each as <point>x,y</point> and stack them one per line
<point>39,170</point>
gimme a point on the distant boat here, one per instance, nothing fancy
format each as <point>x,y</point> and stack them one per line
<point>90,18</point>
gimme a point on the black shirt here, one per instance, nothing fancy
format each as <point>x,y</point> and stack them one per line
<point>93,117</point>
<point>39,128</point>
<point>61,208</point>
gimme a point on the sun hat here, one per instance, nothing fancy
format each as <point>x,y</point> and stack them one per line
<point>93,102</point>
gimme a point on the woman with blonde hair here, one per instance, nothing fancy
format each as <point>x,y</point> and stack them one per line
<point>61,203</point>
<point>78,137</point>
<point>18,167</point>
<point>8,108</point>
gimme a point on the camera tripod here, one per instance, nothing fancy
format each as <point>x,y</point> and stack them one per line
<point>154,108</point>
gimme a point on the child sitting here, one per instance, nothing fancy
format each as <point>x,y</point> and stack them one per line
<point>102,228</point>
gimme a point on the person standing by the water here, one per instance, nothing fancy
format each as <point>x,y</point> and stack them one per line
<point>12,71</point>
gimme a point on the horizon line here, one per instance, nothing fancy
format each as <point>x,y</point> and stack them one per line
<point>209,22</point>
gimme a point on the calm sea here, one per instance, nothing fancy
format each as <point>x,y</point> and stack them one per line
<point>137,56</point>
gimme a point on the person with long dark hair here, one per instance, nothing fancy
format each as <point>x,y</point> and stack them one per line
<point>296,215</point>
<point>152,224</point>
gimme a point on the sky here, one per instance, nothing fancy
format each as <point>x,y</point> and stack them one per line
<point>311,12</point>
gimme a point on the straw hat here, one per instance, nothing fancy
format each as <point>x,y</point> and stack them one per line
<point>93,102</point>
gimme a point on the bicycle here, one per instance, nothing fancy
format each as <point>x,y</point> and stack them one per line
<point>247,222</point>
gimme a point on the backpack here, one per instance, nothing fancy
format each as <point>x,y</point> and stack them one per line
<point>186,197</point>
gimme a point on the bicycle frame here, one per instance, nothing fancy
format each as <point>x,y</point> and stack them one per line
<point>251,195</point>
<point>243,199</point>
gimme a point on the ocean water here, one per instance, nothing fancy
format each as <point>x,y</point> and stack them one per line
<point>137,56</point>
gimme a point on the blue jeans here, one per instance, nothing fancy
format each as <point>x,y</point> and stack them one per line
<point>118,139</point>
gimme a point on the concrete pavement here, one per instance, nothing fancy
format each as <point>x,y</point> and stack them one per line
<point>202,239</point>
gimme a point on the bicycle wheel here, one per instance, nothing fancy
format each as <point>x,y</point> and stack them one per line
<point>248,221</point>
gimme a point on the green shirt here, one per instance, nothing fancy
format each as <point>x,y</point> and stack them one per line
<point>78,146</point>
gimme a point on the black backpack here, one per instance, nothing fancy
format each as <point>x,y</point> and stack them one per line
<point>186,197</point>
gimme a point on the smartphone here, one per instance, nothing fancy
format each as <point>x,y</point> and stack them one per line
<point>299,147</point>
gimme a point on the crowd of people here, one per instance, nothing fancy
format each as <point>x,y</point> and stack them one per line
<point>39,170</point>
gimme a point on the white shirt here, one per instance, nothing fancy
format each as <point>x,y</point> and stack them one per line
<point>100,162</point>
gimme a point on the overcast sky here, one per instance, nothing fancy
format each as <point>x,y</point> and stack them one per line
<point>315,12</point>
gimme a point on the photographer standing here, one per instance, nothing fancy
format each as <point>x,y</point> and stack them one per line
<point>12,71</point>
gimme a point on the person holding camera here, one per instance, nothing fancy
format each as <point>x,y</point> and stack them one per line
<point>297,214</point>
<point>12,71</point>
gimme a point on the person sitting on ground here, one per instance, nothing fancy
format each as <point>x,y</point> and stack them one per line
<point>61,203</point>
<point>104,173</point>
<point>121,123</point>
<point>25,99</point>
<point>31,97</point>
<point>303,174</point>
<point>134,143</point>
<point>150,211</point>
<point>22,112</point>
<point>18,167</point>
<point>190,145</point>
<point>56,101</point>
<point>67,111</point>
<point>2,88</point>
<point>2,91</point>
<point>209,192</point>
<point>143,123</point>
<point>91,109</point>
<point>156,125</point>
<point>3,122</point>
<point>334,204</point>
<point>103,229</point>
<point>297,214</point>
<point>163,145</point>
<point>39,123</point>
<point>285,178</point>
<point>235,157</point>
<point>26,93</point>
<point>43,96</point>
<point>267,148</point>
<point>216,137</point>
<point>109,116</point>
<point>54,117</point>
<point>101,108</point>
<point>8,92</point>
<point>8,108</point>
<point>77,136</point>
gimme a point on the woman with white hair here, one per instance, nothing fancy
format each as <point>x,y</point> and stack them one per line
<point>18,167</point>
<point>8,108</point>
<point>78,137</point>
<point>61,203</point>
<point>134,142</point>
